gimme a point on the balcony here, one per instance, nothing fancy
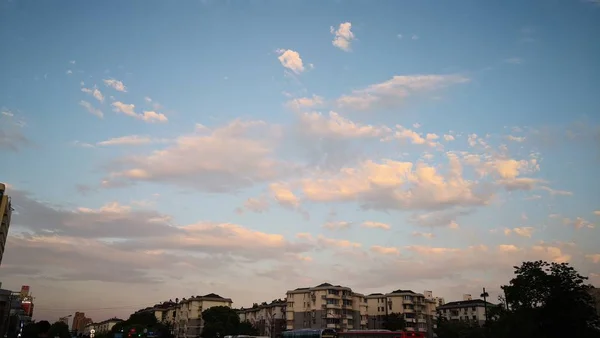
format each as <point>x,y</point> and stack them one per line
<point>332,306</point>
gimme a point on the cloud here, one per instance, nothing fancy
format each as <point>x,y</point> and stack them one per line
<point>11,135</point>
<point>337,225</point>
<point>114,241</point>
<point>385,250</point>
<point>302,103</point>
<point>405,134</point>
<point>389,184</point>
<point>91,109</point>
<point>291,60</point>
<point>146,116</point>
<point>522,231</point>
<point>336,126</point>
<point>284,195</point>
<point>258,205</point>
<point>392,93</point>
<point>130,140</point>
<point>423,234</point>
<point>343,36</point>
<point>594,258</point>
<point>554,192</point>
<point>240,153</point>
<point>423,265</point>
<point>95,92</point>
<point>375,225</point>
<point>578,223</point>
<point>439,218</point>
<point>116,85</point>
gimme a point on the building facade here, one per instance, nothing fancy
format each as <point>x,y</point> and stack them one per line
<point>188,314</point>
<point>326,306</point>
<point>5,214</point>
<point>106,325</point>
<point>465,310</point>
<point>418,310</point>
<point>268,319</point>
<point>80,321</point>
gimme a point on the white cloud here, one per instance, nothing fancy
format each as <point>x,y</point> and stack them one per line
<point>146,116</point>
<point>301,103</point>
<point>376,225</point>
<point>343,36</point>
<point>337,225</point>
<point>240,153</point>
<point>91,108</point>
<point>284,195</point>
<point>578,223</point>
<point>291,60</point>
<point>385,250</point>
<point>522,231</point>
<point>130,140</point>
<point>116,85</point>
<point>392,93</point>
<point>338,127</point>
<point>423,234</point>
<point>95,92</point>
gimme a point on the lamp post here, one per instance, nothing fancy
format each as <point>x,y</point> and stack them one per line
<point>485,295</point>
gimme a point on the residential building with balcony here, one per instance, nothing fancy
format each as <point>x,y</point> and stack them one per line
<point>164,312</point>
<point>268,319</point>
<point>418,311</point>
<point>188,314</point>
<point>106,325</point>
<point>465,310</point>
<point>326,306</point>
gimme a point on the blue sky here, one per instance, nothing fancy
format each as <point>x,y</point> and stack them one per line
<point>238,158</point>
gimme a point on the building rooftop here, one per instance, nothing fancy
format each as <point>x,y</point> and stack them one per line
<point>465,303</point>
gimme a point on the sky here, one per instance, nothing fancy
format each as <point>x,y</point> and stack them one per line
<point>157,150</point>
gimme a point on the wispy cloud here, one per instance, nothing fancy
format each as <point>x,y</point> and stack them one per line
<point>116,85</point>
<point>90,108</point>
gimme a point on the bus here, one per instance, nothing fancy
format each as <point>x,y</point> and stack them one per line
<point>310,333</point>
<point>380,334</point>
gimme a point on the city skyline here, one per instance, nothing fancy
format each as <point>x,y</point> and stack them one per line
<point>249,148</point>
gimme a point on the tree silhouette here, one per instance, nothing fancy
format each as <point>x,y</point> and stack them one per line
<point>394,322</point>
<point>547,300</point>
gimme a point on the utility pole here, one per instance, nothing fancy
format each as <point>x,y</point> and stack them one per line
<point>485,295</point>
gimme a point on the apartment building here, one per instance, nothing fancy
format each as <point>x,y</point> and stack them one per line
<point>5,214</point>
<point>466,310</point>
<point>418,310</point>
<point>106,325</point>
<point>268,319</point>
<point>326,306</point>
<point>188,314</point>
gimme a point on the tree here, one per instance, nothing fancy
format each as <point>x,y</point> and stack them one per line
<point>458,329</point>
<point>220,321</point>
<point>246,328</point>
<point>547,300</point>
<point>394,322</point>
<point>30,331</point>
<point>59,329</point>
<point>138,322</point>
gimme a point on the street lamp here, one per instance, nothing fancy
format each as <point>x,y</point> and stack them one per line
<point>485,295</point>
